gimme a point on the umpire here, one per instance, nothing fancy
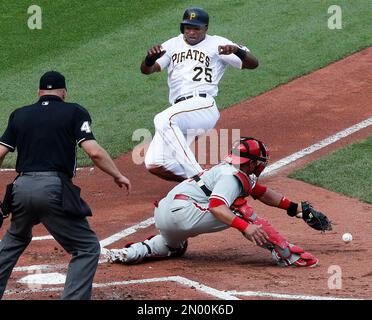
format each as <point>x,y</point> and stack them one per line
<point>45,135</point>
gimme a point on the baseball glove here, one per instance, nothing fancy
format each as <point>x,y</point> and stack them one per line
<point>315,219</point>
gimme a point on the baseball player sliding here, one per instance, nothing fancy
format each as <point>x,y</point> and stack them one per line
<point>196,63</point>
<point>216,200</point>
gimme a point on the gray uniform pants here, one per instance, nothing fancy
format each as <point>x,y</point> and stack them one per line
<point>177,220</point>
<point>37,197</point>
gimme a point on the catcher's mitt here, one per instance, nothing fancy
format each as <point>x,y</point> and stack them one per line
<point>315,219</point>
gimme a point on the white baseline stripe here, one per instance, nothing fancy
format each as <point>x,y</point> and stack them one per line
<point>181,280</point>
<point>338,136</point>
<point>105,242</point>
<point>7,170</point>
<point>284,296</point>
<point>41,238</point>
<point>224,295</point>
<point>122,234</point>
<point>113,238</point>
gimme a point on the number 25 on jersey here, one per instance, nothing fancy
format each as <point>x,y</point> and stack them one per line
<point>202,72</point>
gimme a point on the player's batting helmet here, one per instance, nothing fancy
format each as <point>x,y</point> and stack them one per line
<point>247,149</point>
<point>194,17</point>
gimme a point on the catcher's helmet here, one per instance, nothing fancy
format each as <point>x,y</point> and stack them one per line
<point>194,17</point>
<point>247,149</point>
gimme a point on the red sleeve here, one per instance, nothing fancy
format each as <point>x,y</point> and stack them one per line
<point>258,191</point>
<point>213,202</point>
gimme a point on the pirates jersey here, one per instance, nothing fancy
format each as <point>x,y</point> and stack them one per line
<point>196,68</point>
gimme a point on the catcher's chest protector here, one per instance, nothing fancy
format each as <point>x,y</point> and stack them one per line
<point>245,181</point>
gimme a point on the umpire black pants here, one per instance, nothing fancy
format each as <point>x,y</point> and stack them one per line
<point>37,197</point>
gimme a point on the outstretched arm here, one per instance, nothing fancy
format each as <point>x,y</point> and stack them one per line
<point>103,161</point>
<point>274,199</point>
<point>314,218</point>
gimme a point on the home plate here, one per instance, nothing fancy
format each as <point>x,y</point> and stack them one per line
<point>44,278</point>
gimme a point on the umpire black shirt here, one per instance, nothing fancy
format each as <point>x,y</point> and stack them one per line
<point>46,134</point>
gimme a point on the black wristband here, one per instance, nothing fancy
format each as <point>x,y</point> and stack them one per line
<point>241,54</point>
<point>150,61</point>
<point>292,210</point>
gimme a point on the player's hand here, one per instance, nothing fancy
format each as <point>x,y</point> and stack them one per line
<point>255,234</point>
<point>227,49</point>
<point>155,52</point>
<point>123,181</point>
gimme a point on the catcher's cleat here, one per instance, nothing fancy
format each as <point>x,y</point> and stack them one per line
<point>133,252</point>
<point>297,258</point>
<point>310,263</point>
<point>120,255</point>
<point>115,256</point>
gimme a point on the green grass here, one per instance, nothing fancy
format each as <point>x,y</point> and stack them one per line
<point>99,45</point>
<point>347,171</point>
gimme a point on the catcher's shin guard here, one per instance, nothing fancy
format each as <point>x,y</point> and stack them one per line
<point>283,252</point>
<point>152,248</point>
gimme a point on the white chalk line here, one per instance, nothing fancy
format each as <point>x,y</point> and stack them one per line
<point>223,295</point>
<point>124,233</point>
<point>180,280</point>
<point>317,146</point>
<point>105,242</point>
<point>274,167</point>
<point>115,237</point>
<point>285,296</point>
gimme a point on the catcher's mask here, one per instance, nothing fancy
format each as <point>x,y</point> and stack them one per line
<point>194,17</point>
<point>249,149</point>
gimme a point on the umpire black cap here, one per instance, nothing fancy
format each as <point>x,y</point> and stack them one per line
<point>52,80</point>
<point>194,17</point>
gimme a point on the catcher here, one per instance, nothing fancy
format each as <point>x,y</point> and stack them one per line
<point>216,200</point>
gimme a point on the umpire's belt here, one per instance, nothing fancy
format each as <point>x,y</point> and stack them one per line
<point>40,173</point>
<point>203,95</point>
<point>201,185</point>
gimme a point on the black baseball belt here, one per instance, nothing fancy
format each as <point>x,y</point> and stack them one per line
<point>203,95</point>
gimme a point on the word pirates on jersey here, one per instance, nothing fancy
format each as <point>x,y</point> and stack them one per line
<point>191,55</point>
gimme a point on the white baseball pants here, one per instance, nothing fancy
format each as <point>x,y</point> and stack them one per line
<point>176,129</point>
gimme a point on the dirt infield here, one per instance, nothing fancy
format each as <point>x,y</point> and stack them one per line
<point>288,119</point>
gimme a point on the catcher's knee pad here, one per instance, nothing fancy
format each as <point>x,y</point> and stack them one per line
<point>275,238</point>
